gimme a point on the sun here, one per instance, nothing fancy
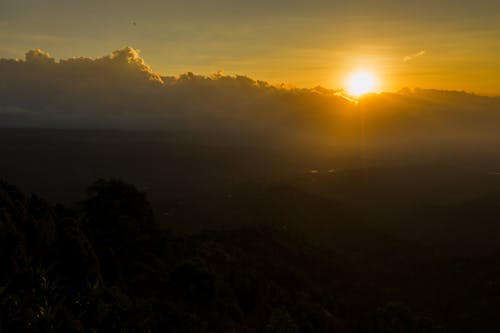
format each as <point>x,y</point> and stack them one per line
<point>360,83</point>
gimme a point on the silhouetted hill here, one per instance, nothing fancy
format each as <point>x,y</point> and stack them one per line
<point>66,270</point>
<point>107,266</point>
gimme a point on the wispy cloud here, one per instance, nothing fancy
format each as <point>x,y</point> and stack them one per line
<point>42,38</point>
<point>413,56</point>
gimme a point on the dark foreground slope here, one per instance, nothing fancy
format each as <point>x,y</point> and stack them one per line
<point>304,231</point>
<point>107,267</point>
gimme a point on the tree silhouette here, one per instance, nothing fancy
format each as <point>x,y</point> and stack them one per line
<point>116,210</point>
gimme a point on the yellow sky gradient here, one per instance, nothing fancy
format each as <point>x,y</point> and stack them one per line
<point>453,45</point>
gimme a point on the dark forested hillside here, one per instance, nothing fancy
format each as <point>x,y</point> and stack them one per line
<point>221,235</point>
<point>107,266</point>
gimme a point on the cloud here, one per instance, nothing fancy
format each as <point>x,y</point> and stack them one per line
<point>38,56</point>
<point>413,56</point>
<point>121,91</point>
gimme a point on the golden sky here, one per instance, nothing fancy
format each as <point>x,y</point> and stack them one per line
<point>430,44</point>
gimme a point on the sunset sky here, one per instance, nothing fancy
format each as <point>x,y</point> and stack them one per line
<point>431,44</point>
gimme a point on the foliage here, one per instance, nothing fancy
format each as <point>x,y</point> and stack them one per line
<point>107,267</point>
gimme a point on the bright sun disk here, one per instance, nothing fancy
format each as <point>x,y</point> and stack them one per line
<point>360,83</point>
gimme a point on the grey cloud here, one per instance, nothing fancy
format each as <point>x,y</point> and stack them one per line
<point>121,91</point>
<point>38,56</point>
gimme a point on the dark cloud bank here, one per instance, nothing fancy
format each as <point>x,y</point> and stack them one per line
<point>121,91</point>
